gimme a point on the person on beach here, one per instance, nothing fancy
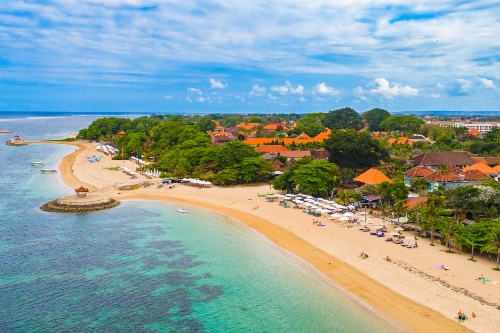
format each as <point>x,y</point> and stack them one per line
<point>387,258</point>
<point>473,315</point>
<point>481,277</point>
<point>362,255</point>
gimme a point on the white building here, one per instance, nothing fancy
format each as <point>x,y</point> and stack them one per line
<point>483,127</point>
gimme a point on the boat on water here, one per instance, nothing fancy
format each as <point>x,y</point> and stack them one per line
<point>36,164</point>
<point>48,171</point>
<point>4,131</point>
<point>182,210</point>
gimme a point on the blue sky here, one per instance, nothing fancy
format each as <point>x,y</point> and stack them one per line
<point>249,56</point>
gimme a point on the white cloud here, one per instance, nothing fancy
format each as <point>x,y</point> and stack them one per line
<point>280,89</point>
<point>458,87</point>
<point>195,90</point>
<point>323,89</point>
<point>488,84</point>
<point>272,97</point>
<point>189,100</point>
<point>288,88</point>
<point>257,91</point>
<point>302,99</point>
<point>200,99</point>
<point>218,84</point>
<point>435,95</point>
<point>242,99</point>
<point>168,97</point>
<point>383,87</point>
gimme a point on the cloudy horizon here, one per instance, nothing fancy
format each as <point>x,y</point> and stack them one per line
<point>263,56</point>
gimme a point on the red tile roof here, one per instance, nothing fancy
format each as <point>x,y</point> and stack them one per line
<point>419,171</point>
<point>271,148</point>
<point>442,177</point>
<point>472,175</point>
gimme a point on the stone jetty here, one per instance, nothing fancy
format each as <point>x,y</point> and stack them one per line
<point>79,205</point>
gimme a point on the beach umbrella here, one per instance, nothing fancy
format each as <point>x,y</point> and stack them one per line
<point>399,229</point>
<point>337,215</point>
<point>347,214</point>
<point>345,218</point>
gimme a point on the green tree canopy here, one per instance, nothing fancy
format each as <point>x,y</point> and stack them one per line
<point>316,178</point>
<point>310,124</point>
<point>353,149</point>
<point>374,117</point>
<point>406,124</point>
<point>342,119</point>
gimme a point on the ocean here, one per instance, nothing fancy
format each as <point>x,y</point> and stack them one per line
<point>142,267</point>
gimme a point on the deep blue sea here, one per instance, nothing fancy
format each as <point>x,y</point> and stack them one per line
<point>142,267</point>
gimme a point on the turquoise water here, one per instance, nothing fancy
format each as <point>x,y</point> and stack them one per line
<point>142,267</point>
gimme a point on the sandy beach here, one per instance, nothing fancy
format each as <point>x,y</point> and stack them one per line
<point>408,291</point>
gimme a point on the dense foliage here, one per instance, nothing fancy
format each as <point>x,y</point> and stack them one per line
<point>352,149</point>
<point>342,119</point>
<point>374,117</point>
<point>315,177</point>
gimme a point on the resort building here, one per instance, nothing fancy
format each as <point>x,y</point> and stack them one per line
<point>483,127</point>
<point>434,159</point>
<point>450,178</point>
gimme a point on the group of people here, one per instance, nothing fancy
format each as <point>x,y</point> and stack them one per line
<point>363,255</point>
<point>463,317</point>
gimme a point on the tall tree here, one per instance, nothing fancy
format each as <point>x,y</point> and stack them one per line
<point>316,178</point>
<point>342,119</point>
<point>374,117</point>
<point>493,245</point>
<point>474,236</point>
<point>353,149</point>
<point>432,213</point>
<point>450,229</point>
<point>407,124</point>
<point>386,192</point>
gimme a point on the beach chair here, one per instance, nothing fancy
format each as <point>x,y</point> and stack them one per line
<point>389,239</point>
<point>381,234</point>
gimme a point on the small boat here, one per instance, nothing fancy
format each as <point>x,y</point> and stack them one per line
<point>31,169</point>
<point>182,210</point>
<point>48,171</point>
<point>36,164</point>
<point>4,131</point>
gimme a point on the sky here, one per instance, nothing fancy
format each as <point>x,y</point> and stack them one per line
<point>270,56</point>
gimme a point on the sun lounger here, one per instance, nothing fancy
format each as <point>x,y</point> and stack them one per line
<point>381,234</point>
<point>389,239</point>
<point>494,282</point>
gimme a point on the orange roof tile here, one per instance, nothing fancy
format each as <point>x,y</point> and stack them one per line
<point>273,127</point>
<point>271,148</point>
<point>474,132</point>
<point>248,125</point>
<point>419,171</point>
<point>121,133</point>
<point>415,202</point>
<point>497,168</point>
<point>303,136</point>
<point>481,167</point>
<point>372,176</point>
<point>391,141</point>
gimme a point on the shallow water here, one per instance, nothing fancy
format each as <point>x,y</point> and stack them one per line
<point>143,267</point>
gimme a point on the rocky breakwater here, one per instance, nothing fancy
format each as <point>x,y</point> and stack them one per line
<point>79,205</point>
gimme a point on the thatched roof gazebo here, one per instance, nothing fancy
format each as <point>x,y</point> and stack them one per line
<point>81,192</point>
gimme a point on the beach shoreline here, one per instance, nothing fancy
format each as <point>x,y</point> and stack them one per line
<point>396,292</point>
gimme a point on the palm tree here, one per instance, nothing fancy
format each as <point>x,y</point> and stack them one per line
<point>399,208</point>
<point>450,228</point>
<point>344,196</point>
<point>432,214</point>
<point>494,244</point>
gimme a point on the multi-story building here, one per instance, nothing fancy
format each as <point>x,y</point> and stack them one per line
<point>483,127</point>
